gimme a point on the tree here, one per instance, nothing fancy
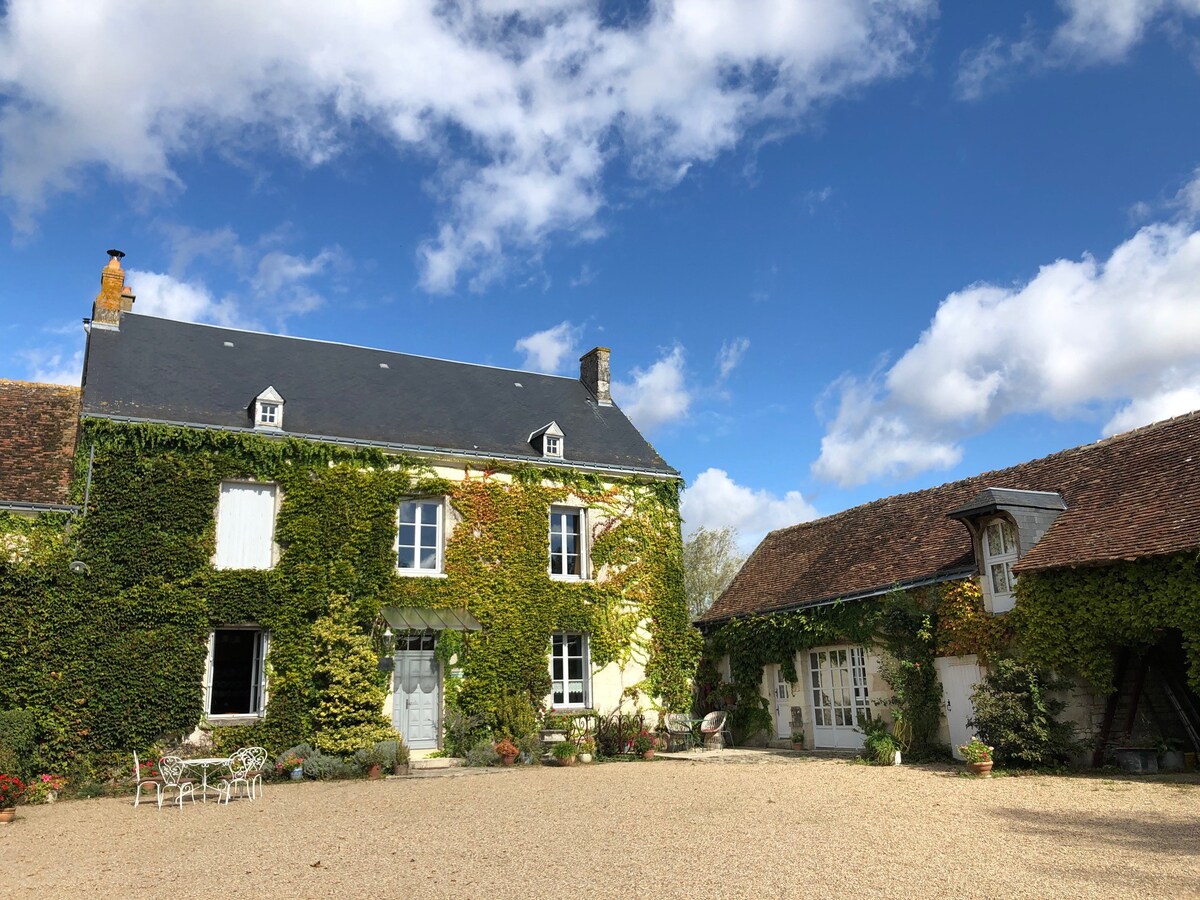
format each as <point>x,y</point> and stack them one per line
<point>710,560</point>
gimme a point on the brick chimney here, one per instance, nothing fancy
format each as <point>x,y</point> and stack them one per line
<point>593,372</point>
<point>114,298</point>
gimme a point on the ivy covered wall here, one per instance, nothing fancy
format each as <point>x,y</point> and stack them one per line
<point>113,660</point>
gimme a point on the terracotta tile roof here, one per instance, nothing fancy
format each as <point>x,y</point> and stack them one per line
<point>1133,495</point>
<point>38,425</point>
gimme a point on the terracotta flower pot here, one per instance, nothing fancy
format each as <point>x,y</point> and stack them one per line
<point>982,769</point>
<point>6,815</point>
<point>649,754</point>
<point>375,772</point>
<point>508,759</point>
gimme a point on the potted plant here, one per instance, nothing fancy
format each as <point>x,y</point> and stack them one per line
<point>400,762</point>
<point>978,756</point>
<point>564,753</point>
<point>371,760</point>
<point>643,744</point>
<point>11,790</point>
<point>797,737</point>
<point>1170,757</point>
<point>44,789</point>
<point>587,750</point>
<point>292,764</point>
<point>507,751</point>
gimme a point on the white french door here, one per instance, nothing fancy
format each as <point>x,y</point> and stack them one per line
<point>783,704</point>
<point>837,679</point>
<point>416,697</point>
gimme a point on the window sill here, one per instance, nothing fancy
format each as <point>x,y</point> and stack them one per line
<point>577,578</point>
<point>224,721</point>
<point>418,573</point>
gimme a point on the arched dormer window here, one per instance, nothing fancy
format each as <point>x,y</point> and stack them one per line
<point>268,410</point>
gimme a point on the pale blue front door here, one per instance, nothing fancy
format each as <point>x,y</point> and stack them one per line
<point>416,698</point>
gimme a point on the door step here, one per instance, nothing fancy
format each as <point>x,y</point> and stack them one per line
<point>438,762</point>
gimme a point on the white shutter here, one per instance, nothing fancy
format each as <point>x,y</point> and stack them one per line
<point>208,673</point>
<point>245,526</point>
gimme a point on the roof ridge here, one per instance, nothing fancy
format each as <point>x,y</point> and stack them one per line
<point>296,337</point>
<point>41,384</point>
<point>1081,448</point>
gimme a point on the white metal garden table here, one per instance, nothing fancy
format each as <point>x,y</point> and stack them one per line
<point>205,763</point>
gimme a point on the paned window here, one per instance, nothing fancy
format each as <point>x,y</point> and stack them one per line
<point>236,666</point>
<point>245,526</point>
<point>570,673</point>
<point>567,551</point>
<point>839,687</point>
<point>268,413</point>
<point>552,445</point>
<point>419,538</point>
<point>999,553</point>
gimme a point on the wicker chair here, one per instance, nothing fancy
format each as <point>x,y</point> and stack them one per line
<point>172,768</point>
<point>716,724</point>
<point>679,731</point>
<point>145,781</point>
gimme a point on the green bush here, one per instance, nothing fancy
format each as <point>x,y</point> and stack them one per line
<point>328,768</point>
<point>483,754</point>
<point>515,716</point>
<point>1016,714</point>
<point>880,745</point>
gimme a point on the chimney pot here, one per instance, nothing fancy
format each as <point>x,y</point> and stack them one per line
<point>594,373</point>
<point>114,297</point>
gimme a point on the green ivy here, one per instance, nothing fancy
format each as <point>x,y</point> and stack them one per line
<point>113,660</point>
<point>1076,620</point>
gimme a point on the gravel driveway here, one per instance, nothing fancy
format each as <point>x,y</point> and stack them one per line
<point>768,827</point>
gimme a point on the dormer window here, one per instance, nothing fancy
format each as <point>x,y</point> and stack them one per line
<point>268,410</point>
<point>548,439</point>
<point>999,540</point>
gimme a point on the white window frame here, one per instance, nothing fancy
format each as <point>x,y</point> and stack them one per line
<point>586,658</point>
<point>440,522</point>
<point>581,542</point>
<point>258,678</point>
<point>274,549</point>
<point>998,601</point>
<point>552,446</point>
<point>268,411</point>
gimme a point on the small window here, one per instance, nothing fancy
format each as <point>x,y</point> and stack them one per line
<point>999,541</point>
<point>568,556</point>
<point>570,670</point>
<point>245,526</point>
<point>419,538</point>
<point>236,667</point>
<point>268,410</point>
<point>553,446</point>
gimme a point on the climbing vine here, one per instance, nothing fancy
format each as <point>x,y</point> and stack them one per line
<point>1075,620</point>
<point>115,659</point>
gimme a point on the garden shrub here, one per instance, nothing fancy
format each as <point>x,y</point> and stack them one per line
<point>1016,714</point>
<point>483,754</point>
<point>18,742</point>
<point>328,768</point>
<point>515,716</point>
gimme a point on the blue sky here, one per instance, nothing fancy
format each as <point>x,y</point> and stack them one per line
<point>839,249</point>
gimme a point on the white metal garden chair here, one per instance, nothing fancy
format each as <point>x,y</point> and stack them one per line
<point>240,769</point>
<point>145,781</point>
<point>171,768</point>
<point>258,763</point>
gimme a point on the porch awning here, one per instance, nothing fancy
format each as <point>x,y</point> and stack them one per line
<point>415,618</point>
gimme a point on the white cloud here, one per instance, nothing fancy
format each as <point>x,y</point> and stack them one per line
<point>730,355</point>
<point>52,365</point>
<point>1082,337</point>
<point>547,351</point>
<point>714,500</point>
<point>657,395</point>
<point>165,296</point>
<point>524,107</point>
<point>1092,32</point>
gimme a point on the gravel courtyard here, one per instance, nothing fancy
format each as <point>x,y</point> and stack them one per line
<point>770,826</point>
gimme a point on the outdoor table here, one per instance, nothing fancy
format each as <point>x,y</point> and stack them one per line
<point>204,764</point>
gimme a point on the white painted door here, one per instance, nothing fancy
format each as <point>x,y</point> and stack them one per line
<point>415,700</point>
<point>958,675</point>
<point>783,705</point>
<point>837,680</point>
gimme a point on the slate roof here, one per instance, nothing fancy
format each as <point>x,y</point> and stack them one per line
<point>162,370</point>
<point>38,428</point>
<point>1133,495</point>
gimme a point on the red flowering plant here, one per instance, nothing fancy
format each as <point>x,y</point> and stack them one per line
<point>11,789</point>
<point>643,742</point>
<point>976,751</point>
<point>506,748</point>
<point>44,788</point>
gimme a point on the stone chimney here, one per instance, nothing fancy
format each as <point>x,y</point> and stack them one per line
<point>593,372</point>
<point>114,298</point>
